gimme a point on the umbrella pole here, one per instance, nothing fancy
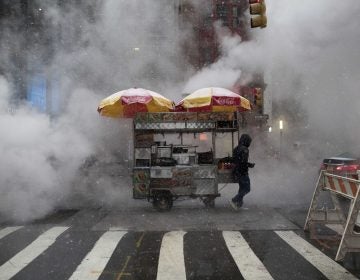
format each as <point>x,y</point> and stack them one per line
<point>232,141</point>
<point>238,124</point>
<point>213,143</point>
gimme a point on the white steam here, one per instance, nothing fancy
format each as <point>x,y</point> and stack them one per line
<point>39,158</point>
<point>309,54</point>
<point>96,49</point>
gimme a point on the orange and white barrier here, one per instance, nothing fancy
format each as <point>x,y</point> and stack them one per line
<point>337,186</point>
<point>341,185</point>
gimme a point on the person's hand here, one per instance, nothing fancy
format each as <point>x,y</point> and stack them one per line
<point>251,165</point>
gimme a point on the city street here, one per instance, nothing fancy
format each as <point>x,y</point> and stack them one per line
<point>179,140</point>
<point>189,242</point>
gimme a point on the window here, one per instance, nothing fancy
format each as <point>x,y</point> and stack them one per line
<point>235,12</point>
<point>235,23</point>
<point>221,11</point>
<point>208,22</point>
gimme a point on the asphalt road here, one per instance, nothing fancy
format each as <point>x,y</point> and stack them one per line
<point>186,243</point>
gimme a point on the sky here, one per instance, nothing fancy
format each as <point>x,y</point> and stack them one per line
<point>308,53</point>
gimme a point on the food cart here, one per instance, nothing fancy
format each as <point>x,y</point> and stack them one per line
<point>168,163</point>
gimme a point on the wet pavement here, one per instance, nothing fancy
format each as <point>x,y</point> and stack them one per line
<point>202,243</point>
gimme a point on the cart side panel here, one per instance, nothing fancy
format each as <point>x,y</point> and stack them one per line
<point>205,186</point>
<point>177,179</point>
<point>205,180</point>
<point>205,171</point>
<point>226,176</point>
<point>141,182</point>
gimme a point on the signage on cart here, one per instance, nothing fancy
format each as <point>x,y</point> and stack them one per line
<point>184,116</point>
<point>185,121</point>
<point>141,182</point>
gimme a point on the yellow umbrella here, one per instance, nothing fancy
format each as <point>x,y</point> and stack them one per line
<point>127,103</point>
<point>213,99</point>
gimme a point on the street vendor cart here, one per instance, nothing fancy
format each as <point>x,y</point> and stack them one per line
<point>169,157</point>
<point>181,151</point>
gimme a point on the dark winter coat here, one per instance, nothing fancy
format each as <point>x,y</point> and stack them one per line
<point>241,156</point>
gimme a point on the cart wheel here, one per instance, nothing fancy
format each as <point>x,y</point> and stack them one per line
<point>209,202</point>
<point>163,202</point>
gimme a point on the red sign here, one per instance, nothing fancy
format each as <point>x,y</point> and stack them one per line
<point>135,99</point>
<point>225,101</point>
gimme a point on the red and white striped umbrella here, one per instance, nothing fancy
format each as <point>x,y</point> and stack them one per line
<point>213,99</point>
<point>127,103</point>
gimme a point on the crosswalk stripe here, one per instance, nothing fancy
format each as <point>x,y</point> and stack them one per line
<point>171,260</point>
<point>8,230</point>
<point>331,269</point>
<point>95,261</point>
<point>246,260</point>
<point>23,258</point>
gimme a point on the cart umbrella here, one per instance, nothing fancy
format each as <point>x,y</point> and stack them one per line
<point>126,103</point>
<point>213,99</point>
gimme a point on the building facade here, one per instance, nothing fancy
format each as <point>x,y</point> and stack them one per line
<point>29,42</point>
<point>203,17</point>
<point>31,39</point>
<point>203,49</point>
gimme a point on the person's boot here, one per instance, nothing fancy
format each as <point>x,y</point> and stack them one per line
<point>234,205</point>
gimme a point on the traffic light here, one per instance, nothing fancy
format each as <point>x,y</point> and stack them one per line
<point>258,8</point>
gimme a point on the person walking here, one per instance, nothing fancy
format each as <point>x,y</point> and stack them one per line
<point>241,170</point>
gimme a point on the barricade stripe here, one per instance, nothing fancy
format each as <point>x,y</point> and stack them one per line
<point>331,182</point>
<point>95,261</point>
<point>26,256</point>
<point>248,263</point>
<point>354,188</point>
<point>348,188</point>
<point>342,186</point>
<point>331,269</point>
<point>337,185</point>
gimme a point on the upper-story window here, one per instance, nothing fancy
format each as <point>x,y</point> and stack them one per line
<point>234,11</point>
<point>221,10</point>
<point>222,13</point>
<point>208,21</point>
<point>235,22</point>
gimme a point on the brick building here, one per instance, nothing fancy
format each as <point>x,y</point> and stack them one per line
<point>203,48</point>
<point>34,40</point>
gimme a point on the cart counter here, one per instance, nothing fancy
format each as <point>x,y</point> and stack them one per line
<point>179,179</point>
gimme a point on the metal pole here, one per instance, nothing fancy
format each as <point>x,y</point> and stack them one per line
<point>232,141</point>
<point>281,135</point>
<point>214,143</point>
<point>281,126</point>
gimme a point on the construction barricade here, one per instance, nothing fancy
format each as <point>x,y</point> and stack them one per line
<point>337,186</point>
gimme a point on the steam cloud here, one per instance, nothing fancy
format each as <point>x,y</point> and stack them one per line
<point>79,158</point>
<point>310,59</point>
<point>309,55</point>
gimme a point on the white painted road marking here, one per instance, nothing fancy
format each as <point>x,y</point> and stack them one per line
<point>32,251</point>
<point>171,260</point>
<point>95,261</point>
<point>248,263</point>
<point>331,269</point>
<point>8,230</point>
